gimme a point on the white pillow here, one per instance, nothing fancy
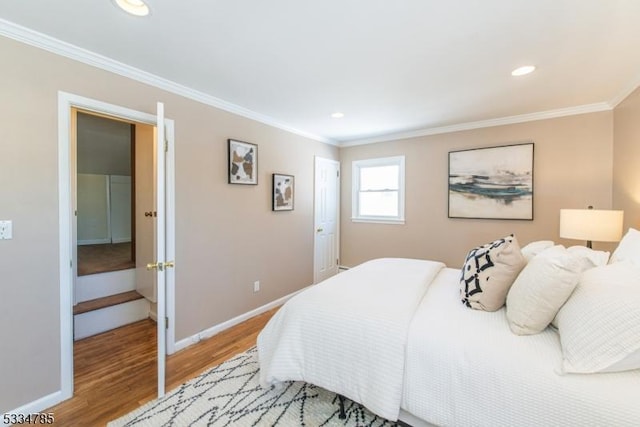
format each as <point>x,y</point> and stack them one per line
<point>541,288</point>
<point>628,249</point>
<point>599,325</point>
<point>534,248</point>
<point>597,258</point>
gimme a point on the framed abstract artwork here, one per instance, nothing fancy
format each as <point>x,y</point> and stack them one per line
<point>283,192</point>
<point>492,183</point>
<point>243,162</point>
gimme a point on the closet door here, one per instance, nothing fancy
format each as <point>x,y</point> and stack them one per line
<point>93,209</point>
<point>120,208</point>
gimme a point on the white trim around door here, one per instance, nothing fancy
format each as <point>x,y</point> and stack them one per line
<point>66,102</point>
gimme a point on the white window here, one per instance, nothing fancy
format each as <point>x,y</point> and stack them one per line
<point>378,190</point>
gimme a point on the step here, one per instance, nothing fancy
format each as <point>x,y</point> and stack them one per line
<point>100,285</point>
<point>108,317</point>
<point>98,303</point>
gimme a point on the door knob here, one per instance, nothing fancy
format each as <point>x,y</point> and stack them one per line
<point>155,266</point>
<point>319,230</point>
<point>161,265</point>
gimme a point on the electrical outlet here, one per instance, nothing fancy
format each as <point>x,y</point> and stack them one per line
<point>256,286</point>
<point>6,230</point>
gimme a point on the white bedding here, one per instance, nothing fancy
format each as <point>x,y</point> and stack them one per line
<point>348,333</point>
<point>465,368</point>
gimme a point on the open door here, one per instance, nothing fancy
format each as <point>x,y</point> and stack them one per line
<point>161,264</point>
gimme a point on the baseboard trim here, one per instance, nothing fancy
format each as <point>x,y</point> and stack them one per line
<point>116,240</point>
<point>38,405</point>
<point>94,242</point>
<point>214,330</point>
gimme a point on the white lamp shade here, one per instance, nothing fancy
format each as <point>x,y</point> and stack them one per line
<point>591,224</point>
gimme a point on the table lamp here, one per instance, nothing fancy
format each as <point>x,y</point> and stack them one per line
<point>591,225</point>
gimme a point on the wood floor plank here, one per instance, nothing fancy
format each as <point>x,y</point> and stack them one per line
<point>115,372</point>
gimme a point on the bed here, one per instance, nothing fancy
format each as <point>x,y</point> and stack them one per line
<point>393,335</point>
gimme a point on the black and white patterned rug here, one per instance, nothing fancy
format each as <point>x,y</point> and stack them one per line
<point>230,395</point>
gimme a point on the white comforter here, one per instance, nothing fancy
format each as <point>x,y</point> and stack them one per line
<point>348,334</point>
<point>465,368</point>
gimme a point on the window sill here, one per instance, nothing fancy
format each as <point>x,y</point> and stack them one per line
<point>399,221</point>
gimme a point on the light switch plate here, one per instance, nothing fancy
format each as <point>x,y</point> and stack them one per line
<point>6,230</point>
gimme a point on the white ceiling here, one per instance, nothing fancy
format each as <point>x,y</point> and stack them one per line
<point>402,67</point>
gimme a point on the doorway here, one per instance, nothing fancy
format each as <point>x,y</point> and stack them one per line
<point>165,223</point>
<point>106,194</point>
<point>114,175</point>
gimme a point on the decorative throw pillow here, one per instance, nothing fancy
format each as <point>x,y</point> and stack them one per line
<point>534,248</point>
<point>542,287</point>
<point>488,273</point>
<point>628,249</point>
<point>599,325</point>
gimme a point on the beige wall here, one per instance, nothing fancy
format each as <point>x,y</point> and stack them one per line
<point>573,161</point>
<point>227,236</point>
<point>104,146</point>
<point>626,159</point>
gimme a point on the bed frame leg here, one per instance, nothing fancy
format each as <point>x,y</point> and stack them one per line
<point>343,414</point>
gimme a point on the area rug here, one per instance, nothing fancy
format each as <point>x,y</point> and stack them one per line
<point>230,395</point>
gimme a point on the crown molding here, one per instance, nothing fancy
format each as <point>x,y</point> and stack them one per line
<point>521,118</point>
<point>68,50</point>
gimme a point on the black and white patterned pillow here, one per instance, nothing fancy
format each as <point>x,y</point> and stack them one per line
<point>488,273</point>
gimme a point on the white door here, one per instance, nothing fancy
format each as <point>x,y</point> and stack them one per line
<point>154,255</point>
<point>327,203</point>
<point>120,208</point>
<point>161,263</point>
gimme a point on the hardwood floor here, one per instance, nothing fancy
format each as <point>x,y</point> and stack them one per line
<point>115,372</point>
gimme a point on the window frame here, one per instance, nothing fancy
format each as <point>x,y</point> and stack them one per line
<point>356,167</point>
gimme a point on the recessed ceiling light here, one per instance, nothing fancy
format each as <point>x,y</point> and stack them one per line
<point>134,7</point>
<point>337,115</point>
<point>523,70</point>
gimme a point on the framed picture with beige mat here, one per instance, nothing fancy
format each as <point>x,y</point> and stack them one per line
<point>283,192</point>
<point>243,162</point>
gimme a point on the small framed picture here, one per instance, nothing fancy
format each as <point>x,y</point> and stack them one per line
<point>243,162</point>
<point>283,192</point>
